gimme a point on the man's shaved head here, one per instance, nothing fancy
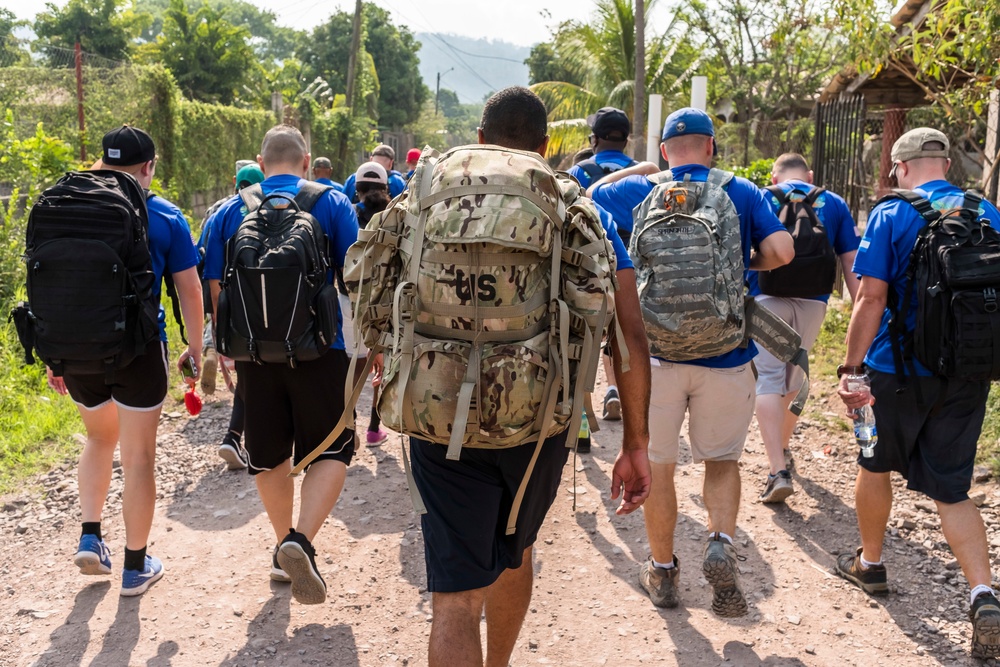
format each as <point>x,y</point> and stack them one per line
<point>283,144</point>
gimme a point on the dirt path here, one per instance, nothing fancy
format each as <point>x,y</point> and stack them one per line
<point>216,605</point>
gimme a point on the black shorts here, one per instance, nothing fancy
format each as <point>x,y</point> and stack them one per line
<point>932,445</point>
<point>468,505</point>
<point>291,410</point>
<point>140,386</point>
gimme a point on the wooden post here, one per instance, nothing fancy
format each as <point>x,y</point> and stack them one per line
<point>78,59</point>
<point>352,67</point>
<point>892,129</point>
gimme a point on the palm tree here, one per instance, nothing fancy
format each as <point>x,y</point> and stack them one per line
<point>601,55</point>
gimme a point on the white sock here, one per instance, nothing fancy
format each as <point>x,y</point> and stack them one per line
<point>979,590</point>
<point>722,535</point>
<point>865,565</point>
<point>663,566</point>
<point>611,388</point>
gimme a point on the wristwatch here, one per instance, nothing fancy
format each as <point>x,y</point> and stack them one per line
<point>844,369</point>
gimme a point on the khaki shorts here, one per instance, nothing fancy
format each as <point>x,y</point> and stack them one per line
<point>806,317</point>
<point>719,403</point>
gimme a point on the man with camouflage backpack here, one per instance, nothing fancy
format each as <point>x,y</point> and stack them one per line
<point>694,218</point>
<point>489,286</point>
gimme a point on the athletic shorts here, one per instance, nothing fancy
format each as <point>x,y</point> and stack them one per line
<point>804,316</point>
<point>719,403</point>
<point>934,445</point>
<point>348,328</point>
<point>289,411</point>
<point>141,386</point>
<point>468,505</point>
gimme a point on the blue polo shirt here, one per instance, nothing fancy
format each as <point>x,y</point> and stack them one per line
<point>333,184</point>
<point>757,222</point>
<point>170,246</point>
<point>614,159</point>
<point>396,185</point>
<point>832,211</point>
<point>884,254</point>
<point>623,261</point>
<point>333,211</point>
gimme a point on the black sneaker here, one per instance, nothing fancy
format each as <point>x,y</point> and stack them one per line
<point>297,558</point>
<point>277,574</point>
<point>985,617</point>
<point>871,580</point>
<point>612,410</point>
<point>777,488</point>
<point>232,452</point>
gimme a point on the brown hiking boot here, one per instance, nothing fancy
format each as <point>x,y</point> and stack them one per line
<point>719,568</point>
<point>871,580</point>
<point>660,584</point>
<point>985,617</point>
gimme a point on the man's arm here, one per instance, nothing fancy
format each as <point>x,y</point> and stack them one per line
<point>775,250</point>
<point>850,278</point>
<point>188,286</point>
<point>866,318</point>
<point>641,169</point>
<point>631,475</point>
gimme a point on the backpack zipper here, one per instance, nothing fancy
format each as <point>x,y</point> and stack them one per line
<point>263,298</point>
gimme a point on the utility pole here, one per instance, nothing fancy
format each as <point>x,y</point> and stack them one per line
<point>437,90</point>
<point>638,114</point>
<point>352,66</point>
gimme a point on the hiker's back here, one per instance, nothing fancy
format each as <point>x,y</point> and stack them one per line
<point>89,274</point>
<point>494,281</point>
<point>688,257</point>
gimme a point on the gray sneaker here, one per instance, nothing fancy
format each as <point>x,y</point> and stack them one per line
<point>719,568</point>
<point>777,488</point>
<point>660,584</point>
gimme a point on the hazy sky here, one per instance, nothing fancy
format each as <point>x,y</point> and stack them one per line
<point>518,21</point>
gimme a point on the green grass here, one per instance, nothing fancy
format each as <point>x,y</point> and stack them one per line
<point>989,439</point>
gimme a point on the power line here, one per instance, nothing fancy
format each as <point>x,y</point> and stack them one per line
<point>480,55</point>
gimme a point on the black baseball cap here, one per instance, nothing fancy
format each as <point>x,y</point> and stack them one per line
<point>610,123</point>
<point>126,146</point>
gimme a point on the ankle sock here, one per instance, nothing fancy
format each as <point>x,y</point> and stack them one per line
<point>723,536</point>
<point>979,590</point>
<point>611,388</point>
<point>135,560</point>
<point>867,565</point>
<point>92,528</point>
<point>664,566</point>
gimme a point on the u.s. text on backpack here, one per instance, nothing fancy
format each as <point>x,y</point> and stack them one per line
<point>90,305</point>
<point>275,305</point>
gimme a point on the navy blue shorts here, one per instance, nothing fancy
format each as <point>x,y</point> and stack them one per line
<point>934,449</point>
<point>468,504</point>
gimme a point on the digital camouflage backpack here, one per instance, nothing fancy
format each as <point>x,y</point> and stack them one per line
<point>488,286</point>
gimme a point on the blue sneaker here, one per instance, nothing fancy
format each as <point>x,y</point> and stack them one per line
<point>93,556</point>
<point>135,582</point>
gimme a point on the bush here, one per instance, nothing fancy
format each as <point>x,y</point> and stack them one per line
<point>757,172</point>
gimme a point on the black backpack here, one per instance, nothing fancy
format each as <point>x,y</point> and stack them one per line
<point>813,271</point>
<point>275,305</point>
<point>954,273</point>
<point>90,305</point>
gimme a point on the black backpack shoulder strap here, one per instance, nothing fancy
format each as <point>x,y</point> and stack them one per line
<point>971,203</point>
<point>779,194</point>
<point>917,201</point>
<point>252,196</point>
<point>309,194</point>
<point>813,195</point>
<point>171,290</point>
<point>592,169</point>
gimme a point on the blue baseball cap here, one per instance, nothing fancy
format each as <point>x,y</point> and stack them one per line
<point>689,121</point>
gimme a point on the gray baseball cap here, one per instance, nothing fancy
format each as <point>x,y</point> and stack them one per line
<point>911,145</point>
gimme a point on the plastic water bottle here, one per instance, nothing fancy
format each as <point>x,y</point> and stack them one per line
<point>583,437</point>
<point>865,431</point>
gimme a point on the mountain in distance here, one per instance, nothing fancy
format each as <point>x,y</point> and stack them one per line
<point>478,67</point>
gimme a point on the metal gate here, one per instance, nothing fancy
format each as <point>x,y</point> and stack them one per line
<point>837,151</point>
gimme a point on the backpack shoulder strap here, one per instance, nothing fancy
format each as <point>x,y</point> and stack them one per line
<point>252,196</point>
<point>972,202</point>
<point>813,195</point>
<point>916,200</point>
<point>309,194</point>
<point>719,177</point>
<point>592,169</point>
<point>779,194</point>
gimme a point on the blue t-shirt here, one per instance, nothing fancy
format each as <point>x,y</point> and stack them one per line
<point>621,253</point>
<point>757,222</point>
<point>396,185</point>
<point>333,211</point>
<point>170,246</point>
<point>832,211</point>
<point>884,254</point>
<point>333,184</point>
<point>614,159</point>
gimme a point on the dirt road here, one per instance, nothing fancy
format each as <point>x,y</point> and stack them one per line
<point>216,605</point>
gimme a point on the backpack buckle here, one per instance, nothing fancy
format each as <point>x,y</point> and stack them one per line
<point>990,297</point>
<point>290,354</point>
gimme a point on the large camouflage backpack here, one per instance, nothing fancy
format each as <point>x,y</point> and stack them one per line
<point>689,267</point>
<point>488,286</point>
